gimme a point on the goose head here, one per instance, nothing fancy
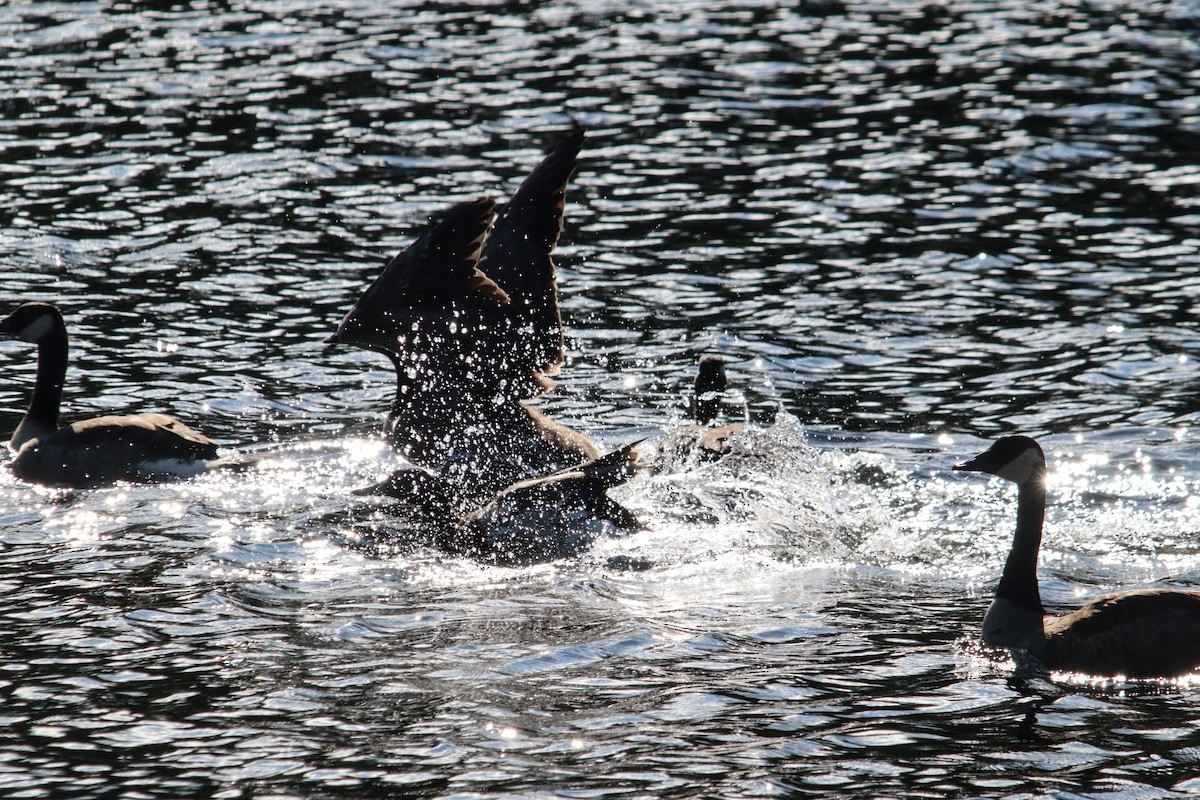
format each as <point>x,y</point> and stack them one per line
<point>1014,458</point>
<point>32,322</point>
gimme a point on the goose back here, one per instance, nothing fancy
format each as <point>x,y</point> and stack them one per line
<point>1140,634</point>
<point>533,520</point>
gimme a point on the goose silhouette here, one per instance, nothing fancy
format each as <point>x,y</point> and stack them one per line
<point>468,348</point>
<point>1142,633</point>
<point>98,451</point>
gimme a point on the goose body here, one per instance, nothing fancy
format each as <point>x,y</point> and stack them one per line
<point>1142,633</point>
<point>539,519</point>
<point>470,347</point>
<point>485,448</point>
<point>92,452</point>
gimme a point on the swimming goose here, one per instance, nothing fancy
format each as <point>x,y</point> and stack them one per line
<point>1143,633</point>
<point>540,519</point>
<point>92,452</point>
<point>446,328</point>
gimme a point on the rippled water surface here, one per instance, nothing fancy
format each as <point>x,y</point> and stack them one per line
<point>909,227</point>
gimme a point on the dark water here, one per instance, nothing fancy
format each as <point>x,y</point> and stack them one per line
<point>909,227</point>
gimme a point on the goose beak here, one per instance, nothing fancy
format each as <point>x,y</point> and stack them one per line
<point>970,465</point>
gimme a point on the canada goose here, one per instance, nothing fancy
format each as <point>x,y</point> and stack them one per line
<point>452,412</point>
<point>701,441</point>
<point>467,348</point>
<point>92,452</point>
<point>540,519</point>
<point>1144,633</point>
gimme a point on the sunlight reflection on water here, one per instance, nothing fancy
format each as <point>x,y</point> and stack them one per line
<point>910,227</point>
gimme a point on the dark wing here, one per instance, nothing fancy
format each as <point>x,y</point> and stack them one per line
<point>1150,633</point>
<point>612,469</point>
<point>517,253</point>
<point>581,486</point>
<point>442,263</point>
<point>417,488</point>
<point>597,474</point>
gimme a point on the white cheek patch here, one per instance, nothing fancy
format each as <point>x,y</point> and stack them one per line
<point>1022,468</point>
<point>37,330</point>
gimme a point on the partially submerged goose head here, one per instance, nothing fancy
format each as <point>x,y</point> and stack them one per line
<point>702,441</point>
<point>710,384</point>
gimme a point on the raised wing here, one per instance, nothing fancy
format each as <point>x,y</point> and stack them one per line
<point>517,254</point>
<point>442,264</point>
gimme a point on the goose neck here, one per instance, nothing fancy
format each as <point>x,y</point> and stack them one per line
<point>42,416</point>
<point>1018,583</point>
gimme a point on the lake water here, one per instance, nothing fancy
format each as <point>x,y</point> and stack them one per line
<point>909,227</point>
